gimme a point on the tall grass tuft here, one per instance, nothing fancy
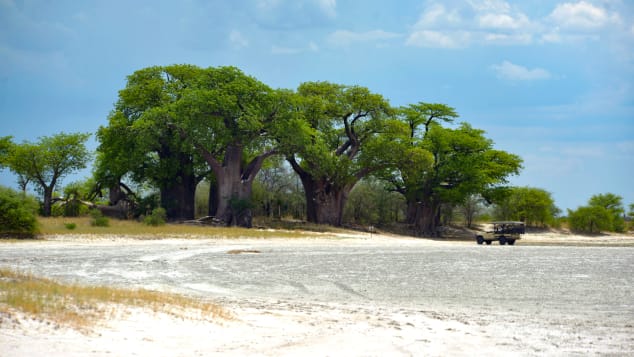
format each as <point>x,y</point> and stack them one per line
<point>80,306</point>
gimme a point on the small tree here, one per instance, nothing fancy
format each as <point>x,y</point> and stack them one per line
<point>531,205</point>
<point>47,161</point>
<point>470,208</point>
<point>17,213</point>
<point>613,204</point>
<point>589,219</point>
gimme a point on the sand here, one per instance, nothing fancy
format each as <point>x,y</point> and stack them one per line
<point>270,326</point>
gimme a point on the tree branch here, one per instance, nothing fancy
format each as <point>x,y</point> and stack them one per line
<point>256,164</point>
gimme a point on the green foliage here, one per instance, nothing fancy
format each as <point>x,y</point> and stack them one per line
<point>371,204</point>
<point>18,213</point>
<point>157,218</point>
<point>48,161</point>
<point>5,146</point>
<point>604,212</point>
<point>70,226</point>
<point>533,206</point>
<point>612,203</point>
<point>589,219</point>
<point>98,219</point>
<point>278,193</point>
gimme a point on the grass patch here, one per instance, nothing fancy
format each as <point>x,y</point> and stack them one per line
<point>80,306</point>
<point>56,225</point>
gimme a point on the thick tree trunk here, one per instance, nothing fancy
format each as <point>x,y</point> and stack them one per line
<point>324,201</point>
<point>178,198</point>
<point>427,218</point>
<point>234,184</point>
<point>412,209</point>
<point>48,201</point>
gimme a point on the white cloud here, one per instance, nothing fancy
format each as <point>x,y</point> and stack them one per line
<point>475,22</point>
<point>503,21</point>
<point>280,50</point>
<point>345,38</point>
<point>490,5</point>
<point>329,7</point>
<point>238,40</point>
<point>437,15</point>
<point>496,22</point>
<point>514,72</point>
<point>438,39</point>
<point>582,16</point>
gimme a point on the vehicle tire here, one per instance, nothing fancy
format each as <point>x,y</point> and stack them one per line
<point>502,240</point>
<point>480,239</point>
<point>488,242</point>
<point>511,241</point>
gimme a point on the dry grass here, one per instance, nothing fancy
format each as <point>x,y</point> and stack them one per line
<point>56,225</point>
<point>81,306</point>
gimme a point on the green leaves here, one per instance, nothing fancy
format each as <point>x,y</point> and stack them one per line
<point>603,212</point>
<point>51,158</point>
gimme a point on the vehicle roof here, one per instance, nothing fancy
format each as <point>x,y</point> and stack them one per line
<point>508,222</point>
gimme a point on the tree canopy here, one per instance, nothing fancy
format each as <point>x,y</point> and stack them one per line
<point>531,205</point>
<point>48,161</point>
<point>604,212</point>
<point>336,145</point>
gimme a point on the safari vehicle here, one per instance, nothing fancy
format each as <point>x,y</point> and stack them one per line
<point>505,232</point>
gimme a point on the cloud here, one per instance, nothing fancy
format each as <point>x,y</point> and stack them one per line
<point>468,23</point>
<point>582,16</point>
<point>281,50</point>
<point>346,38</point>
<point>503,21</point>
<point>438,39</point>
<point>329,7</point>
<point>237,40</point>
<point>514,72</point>
<point>464,23</point>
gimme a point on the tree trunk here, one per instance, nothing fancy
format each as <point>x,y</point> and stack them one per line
<point>412,210</point>
<point>213,197</point>
<point>234,184</point>
<point>324,201</point>
<point>48,201</point>
<point>178,198</point>
<point>427,218</point>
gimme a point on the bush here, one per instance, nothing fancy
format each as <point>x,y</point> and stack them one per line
<point>589,219</point>
<point>70,226</point>
<point>98,219</point>
<point>18,214</point>
<point>157,218</point>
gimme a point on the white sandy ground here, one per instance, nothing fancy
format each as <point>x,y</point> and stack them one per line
<point>263,331</point>
<point>275,328</point>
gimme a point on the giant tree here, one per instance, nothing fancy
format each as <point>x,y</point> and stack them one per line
<point>229,118</point>
<point>413,160</point>
<point>143,146</point>
<point>48,160</point>
<point>449,166</point>
<point>338,144</point>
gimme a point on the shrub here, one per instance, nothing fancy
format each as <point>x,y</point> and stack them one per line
<point>98,218</point>
<point>18,214</point>
<point>70,226</point>
<point>157,218</point>
<point>589,219</point>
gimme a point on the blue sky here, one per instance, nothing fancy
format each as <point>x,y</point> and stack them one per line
<point>549,80</point>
